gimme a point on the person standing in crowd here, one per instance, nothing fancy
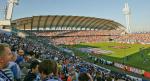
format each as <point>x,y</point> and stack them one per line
<point>15,68</point>
<point>20,57</point>
<point>5,57</point>
<point>48,71</point>
<point>33,73</point>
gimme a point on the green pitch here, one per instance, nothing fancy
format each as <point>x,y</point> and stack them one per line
<point>120,50</point>
<point>129,54</point>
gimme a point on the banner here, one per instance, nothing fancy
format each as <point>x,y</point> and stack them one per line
<point>118,65</point>
<point>135,70</point>
<point>147,74</point>
<point>128,68</point>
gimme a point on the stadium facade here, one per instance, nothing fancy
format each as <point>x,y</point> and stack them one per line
<point>57,22</point>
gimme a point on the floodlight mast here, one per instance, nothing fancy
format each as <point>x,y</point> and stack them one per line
<point>127,13</point>
<point>8,14</point>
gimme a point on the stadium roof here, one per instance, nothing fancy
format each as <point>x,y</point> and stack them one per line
<point>57,22</point>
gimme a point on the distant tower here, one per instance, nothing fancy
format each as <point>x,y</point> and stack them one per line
<point>8,13</point>
<point>127,13</point>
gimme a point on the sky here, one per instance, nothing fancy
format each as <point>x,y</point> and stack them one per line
<point>108,9</point>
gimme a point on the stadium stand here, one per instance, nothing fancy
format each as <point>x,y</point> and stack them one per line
<point>143,38</point>
<point>28,45</point>
<point>33,48</point>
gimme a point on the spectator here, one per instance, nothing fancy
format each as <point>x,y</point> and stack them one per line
<point>5,57</point>
<point>33,73</point>
<point>48,71</point>
<point>15,68</point>
<point>20,58</point>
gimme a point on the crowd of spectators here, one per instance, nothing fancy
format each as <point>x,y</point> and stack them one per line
<point>70,37</point>
<point>24,59</point>
<point>135,38</point>
<point>78,33</point>
<point>76,36</point>
<point>78,40</point>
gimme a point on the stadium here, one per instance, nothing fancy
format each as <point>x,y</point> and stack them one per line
<point>102,48</point>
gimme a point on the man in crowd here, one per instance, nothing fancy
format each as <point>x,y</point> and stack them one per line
<point>33,73</point>
<point>48,71</point>
<point>5,57</point>
<point>15,68</point>
<point>20,57</point>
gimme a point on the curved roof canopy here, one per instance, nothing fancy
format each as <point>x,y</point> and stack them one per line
<point>57,22</point>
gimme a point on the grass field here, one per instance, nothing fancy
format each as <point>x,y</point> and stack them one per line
<point>130,55</point>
